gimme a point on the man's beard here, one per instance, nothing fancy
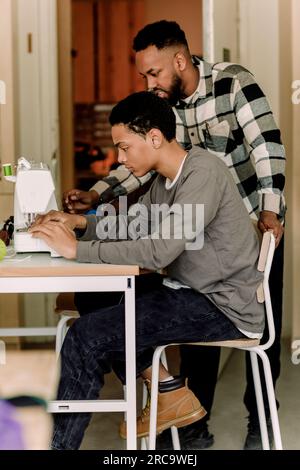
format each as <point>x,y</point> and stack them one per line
<point>174,92</point>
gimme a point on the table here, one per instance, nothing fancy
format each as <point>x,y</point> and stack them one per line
<point>39,273</point>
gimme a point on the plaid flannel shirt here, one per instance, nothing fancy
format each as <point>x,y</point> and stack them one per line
<point>228,115</point>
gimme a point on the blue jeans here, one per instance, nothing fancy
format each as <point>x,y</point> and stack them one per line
<point>94,344</point>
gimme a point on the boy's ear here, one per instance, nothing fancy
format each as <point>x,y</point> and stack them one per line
<point>156,138</point>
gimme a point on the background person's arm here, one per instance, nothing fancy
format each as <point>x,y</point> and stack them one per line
<point>119,182</point>
<point>263,136</point>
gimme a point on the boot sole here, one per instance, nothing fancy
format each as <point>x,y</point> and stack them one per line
<point>178,422</point>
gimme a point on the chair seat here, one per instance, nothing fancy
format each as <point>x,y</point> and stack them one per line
<point>67,313</point>
<point>234,343</point>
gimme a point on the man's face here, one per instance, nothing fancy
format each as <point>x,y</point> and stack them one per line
<point>157,67</point>
<point>134,151</point>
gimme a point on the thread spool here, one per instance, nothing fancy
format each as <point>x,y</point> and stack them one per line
<point>7,169</point>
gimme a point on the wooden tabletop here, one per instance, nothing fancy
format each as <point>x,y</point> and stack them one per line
<point>42,265</point>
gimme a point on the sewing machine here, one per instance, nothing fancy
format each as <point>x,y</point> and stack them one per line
<point>34,194</point>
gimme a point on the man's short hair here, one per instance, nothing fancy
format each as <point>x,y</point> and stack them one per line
<point>143,111</point>
<point>160,34</point>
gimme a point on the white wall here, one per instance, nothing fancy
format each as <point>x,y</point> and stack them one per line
<point>295,174</point>
<point>250,29</point>
<point>225,17</point>
<point>259,45</point>
<point>29,111</point>
<point>7,124</point>
<point>37,81</point>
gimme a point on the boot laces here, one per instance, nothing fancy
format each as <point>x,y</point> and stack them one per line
<point>146,409</point>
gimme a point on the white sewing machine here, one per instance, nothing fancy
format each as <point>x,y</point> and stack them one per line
<point>34,194</point>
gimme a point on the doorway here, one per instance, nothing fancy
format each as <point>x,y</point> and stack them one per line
<point>96,69</point>
<point>103,73</point>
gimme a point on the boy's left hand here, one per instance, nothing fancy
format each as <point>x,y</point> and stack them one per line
<point>58,236</point>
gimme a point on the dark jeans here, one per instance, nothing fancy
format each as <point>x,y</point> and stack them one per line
<point>209,356</point>
<point>95,342</point>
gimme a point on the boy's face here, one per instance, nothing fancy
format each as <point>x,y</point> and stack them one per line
<point>134,151</point>
<point>158,68</point>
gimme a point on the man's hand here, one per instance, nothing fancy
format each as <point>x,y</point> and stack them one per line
<point>76,201</point>
<point>58,236</point>
<point>71,220</point>
<point>268,221</point>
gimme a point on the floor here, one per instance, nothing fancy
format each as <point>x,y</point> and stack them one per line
<point>103,430</point>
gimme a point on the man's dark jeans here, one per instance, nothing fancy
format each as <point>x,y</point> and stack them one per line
<point>209,357</point>
<point>95,343</point>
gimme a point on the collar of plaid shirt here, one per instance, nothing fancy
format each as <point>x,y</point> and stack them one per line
<point>205,83</point>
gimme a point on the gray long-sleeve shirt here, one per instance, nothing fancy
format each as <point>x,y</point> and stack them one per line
<point>223,269</point>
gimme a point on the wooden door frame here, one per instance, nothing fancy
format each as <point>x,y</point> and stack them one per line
<point>66,125</point>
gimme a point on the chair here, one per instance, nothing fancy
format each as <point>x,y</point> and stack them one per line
<point>251,345</point>
<point>67,311</point>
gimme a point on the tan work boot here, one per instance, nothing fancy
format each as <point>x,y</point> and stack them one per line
<point>178,408</point>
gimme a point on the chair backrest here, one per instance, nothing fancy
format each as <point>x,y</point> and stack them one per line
<point>264,265</point>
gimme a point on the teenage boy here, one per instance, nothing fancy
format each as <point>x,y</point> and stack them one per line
<point>205,241</point>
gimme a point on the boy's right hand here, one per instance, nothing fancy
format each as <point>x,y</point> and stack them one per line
<point>76,201</point>
<point>72,221</point>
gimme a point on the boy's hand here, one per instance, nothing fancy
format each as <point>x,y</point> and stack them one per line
<point>76,201</point>
<point>58,236</point>
<point>71,220</point>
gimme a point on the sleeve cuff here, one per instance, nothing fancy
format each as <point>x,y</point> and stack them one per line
<point>90,232</point>
<point>270,202</point>
<point>82,254</point>
<point>88,252</point>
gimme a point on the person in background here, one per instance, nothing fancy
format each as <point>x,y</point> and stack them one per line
<point>221,108</point>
